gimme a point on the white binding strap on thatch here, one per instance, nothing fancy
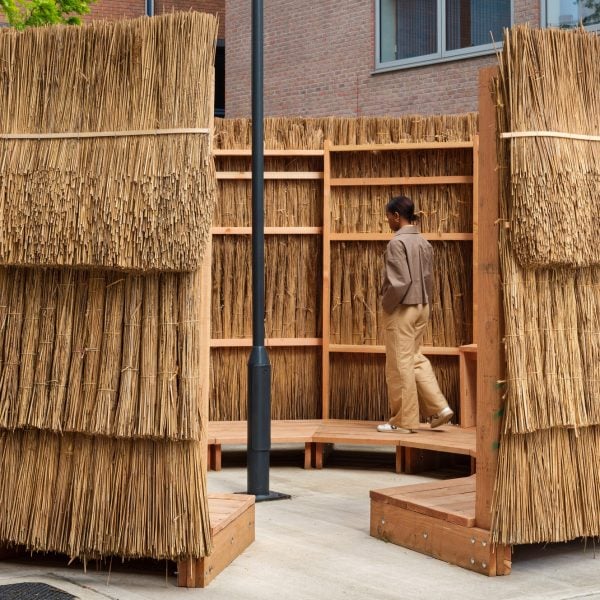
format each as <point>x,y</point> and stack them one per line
<point>99,134</point>
<point>550,134</point>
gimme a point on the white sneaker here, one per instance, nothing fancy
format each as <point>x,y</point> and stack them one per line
<point>388,428</point>
<point>441,418</point>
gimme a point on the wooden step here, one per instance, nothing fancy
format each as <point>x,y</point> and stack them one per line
<point>438,519</point>
<point>232,530</point>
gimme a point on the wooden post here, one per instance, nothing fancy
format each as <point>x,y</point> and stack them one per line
<point>308,454</point>
<point>399,459</point>
<point>490,358</point>
<point>326,276</point>
<point>475,235</point>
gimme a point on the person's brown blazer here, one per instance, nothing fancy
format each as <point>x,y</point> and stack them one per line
<point>408,263</point>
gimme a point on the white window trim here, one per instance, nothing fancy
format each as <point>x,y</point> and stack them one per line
<point>438,57</point>
<point>544,19</point>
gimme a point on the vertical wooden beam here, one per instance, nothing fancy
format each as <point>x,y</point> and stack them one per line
<point>490,359</point>
<point>475,235</point>
<point>326,276</point>
<point>467,367</point>
<point>399,459</point>
<point>318,455</point>
<point>308,455</point>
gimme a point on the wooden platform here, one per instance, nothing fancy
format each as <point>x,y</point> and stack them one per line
<point>316,434</point>
<point>232,529</point>
<point>438,519</point>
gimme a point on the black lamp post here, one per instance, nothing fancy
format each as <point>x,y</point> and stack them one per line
<point>259,367</point>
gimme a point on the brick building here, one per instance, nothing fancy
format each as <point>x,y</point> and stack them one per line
<point>376,57</point>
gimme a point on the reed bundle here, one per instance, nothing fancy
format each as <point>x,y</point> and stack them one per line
<point>292,286</point>
<point>92,496</point>
<point>359,392</point>
<point>546,486</point>
<point>550,81</point>
<point>295,383</point>
<point>101,352</point>
<point>355,304</point>
<point>288,202</point>
<point>310,133</point>
<point>441,208</point>
<point>126,202</point>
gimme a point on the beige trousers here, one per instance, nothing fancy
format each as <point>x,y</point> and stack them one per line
<point>410,379</point>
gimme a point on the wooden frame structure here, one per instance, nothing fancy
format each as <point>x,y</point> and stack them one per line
<point>451,520</point>
<point>329,237</point>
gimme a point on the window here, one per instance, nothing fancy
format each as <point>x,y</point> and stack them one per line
<point>571,13</point>
<point>413,32</point>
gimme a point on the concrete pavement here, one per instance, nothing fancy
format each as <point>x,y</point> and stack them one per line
<point>317,546</point>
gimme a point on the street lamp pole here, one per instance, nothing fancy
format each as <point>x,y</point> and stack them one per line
<point>259,367</point>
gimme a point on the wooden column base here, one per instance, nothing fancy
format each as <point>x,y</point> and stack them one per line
<point>232,526</point>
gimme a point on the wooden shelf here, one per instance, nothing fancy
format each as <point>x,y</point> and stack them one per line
<point>244,175</point>
<point>376,181</point>
<point>268,230</point>
<point>375,349</point>
<point>220,152</point>
<point>403,146</point>
<point>386,237</point>
<point>269,342</point>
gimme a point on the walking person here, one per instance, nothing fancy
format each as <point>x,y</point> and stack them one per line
<point>406,294</point>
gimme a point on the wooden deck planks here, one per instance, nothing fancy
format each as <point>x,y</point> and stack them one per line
<point>438,519</point>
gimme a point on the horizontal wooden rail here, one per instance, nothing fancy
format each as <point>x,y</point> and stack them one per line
<point>402,146</point>
<point>244,175</point>
<point>268,230</point>
<point>267,152</point>
<point>377,181</point>
<point>384,237</point>
<point>269,342</point>
<point>360,349</point>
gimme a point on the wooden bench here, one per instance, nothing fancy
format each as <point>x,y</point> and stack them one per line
<point>411,450</point>
<point>438,519</point>
<point>232,529</point>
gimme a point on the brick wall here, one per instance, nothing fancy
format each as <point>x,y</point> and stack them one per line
<point>215,7</point>
<point>319,61</point>
<point>118,9</point>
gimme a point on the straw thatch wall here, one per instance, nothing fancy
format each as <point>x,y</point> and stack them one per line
<point>103,362</point>
<point>95,496</point>
<point>295,385</point>
<point>356,279</point>
<point>101,352</point>
<point>130,202</point>
<point>292,280</point>
<point>362,376</point>
<point>547,482</point>
<point>555,182</point>
<point>294,264</point>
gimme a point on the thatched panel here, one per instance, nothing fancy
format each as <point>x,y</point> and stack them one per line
<point>550,80</point>
<point>295,383</point>
<point>293,278</point>
<point>356,272</point>
<point>359,392</point>
<point>126,202</point>
<point>101,352</point>
<point>95,496</point>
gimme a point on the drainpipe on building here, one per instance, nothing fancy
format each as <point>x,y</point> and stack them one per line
<point>150,8</point>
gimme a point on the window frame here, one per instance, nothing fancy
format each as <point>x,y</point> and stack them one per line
<point>544,19</point>
<point>441,55</point>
